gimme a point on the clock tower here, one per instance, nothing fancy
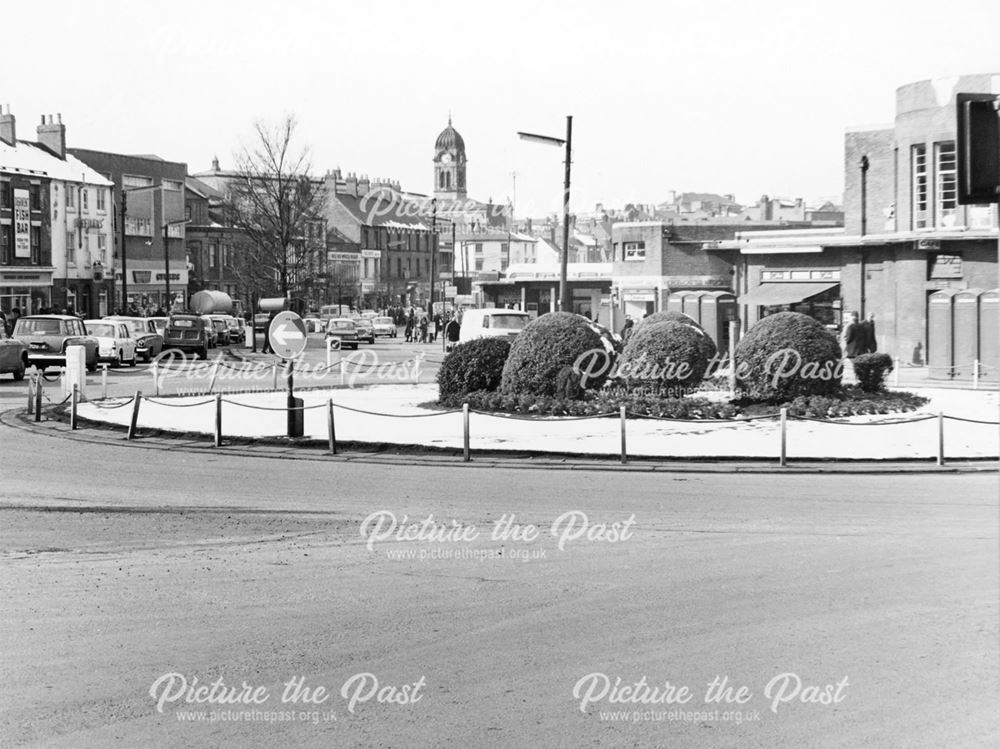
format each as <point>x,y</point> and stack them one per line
<point>449,165</point>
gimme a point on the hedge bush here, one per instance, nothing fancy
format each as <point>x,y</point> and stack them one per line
<point>546,345</point>
<point>663,355</point>
<point>871,369</point>
<point>708,345</point>
<point>471,366</point>
<point>786,355</point>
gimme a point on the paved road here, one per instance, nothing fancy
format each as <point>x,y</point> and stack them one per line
<point>254,570</point>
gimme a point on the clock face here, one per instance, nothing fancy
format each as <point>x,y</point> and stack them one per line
<point>446,158</point>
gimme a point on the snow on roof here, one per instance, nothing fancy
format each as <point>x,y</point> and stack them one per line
<point>30,158</point>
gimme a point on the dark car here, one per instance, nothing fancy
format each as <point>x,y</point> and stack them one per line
<point>148,340</point>
<point>344,331</point>
<point>366,328</point>
<point>220,323</point>
<point>47,337</point>
<point>13,355</point>
<point>188,333</point>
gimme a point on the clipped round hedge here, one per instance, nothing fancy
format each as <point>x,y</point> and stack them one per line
<point>546,345</point>
<point>786,355</point>
<point>471,366</point>
<point>708,345</point>
<point>663,355</point>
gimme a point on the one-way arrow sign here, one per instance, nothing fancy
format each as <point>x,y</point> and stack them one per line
<point>287,335</point>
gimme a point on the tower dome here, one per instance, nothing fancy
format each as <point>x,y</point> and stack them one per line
<point>449,139</point>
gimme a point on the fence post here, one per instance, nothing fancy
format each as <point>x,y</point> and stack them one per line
<point>895,372</point>
<point>218,419</point>
<point>215,373</point>
<point>73,399</point>
<point>31,392</point>
<point>940,455</point>
<point>136,400</point>
<point>465,432</point>
<point>975,374</point>
<point>104,380</point>
<point>624,450</point>
<point>784,421</point>
<point>331,427</point>
<point>274,381</point>
<point>155,368</point>
<point>39,386</point>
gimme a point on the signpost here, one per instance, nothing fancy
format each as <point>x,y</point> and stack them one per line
<point>287,336</point>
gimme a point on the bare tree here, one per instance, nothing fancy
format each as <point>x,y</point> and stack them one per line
<point>275,204</point>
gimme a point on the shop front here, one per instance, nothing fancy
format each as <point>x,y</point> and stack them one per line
<point>28,291</point>
<point>147,285</point>
<point>813,292</point>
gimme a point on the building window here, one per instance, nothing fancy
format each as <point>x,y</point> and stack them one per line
<point>399,267</point>
<point>187,212</point>
<point>137,227</point>
<point>5,232</point>
<point>101,198</point>
<point>635,251</point>
<point>447,180</point>
<point>169,184</point>
<point>918,170</point>
<point>946,188</point>
<point>479,263</point>
<point>102,248</point>
<point>36,197</point>
<point>70,247</point>
<point>69,197</point>
<point>36,245</point>
<point>84,199</point>
<point>131,180</point>
<point>6,199</point>
<point>212,251</point>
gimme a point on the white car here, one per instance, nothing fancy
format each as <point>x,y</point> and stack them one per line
<point>384,326</point>
<point>485,323</point>
<point>114,341</point>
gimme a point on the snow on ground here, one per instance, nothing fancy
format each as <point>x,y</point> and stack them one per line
<point>856,439</point>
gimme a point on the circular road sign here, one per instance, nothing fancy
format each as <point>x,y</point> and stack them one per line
<point>287,335</point>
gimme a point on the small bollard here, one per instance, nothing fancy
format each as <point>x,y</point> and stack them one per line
<point>31,392</point>
<point>624,451</point>
<point>975,374</point>
<point>136,401</point>
<point>465,432</point>
<point>104,381</point>
<point>331,427</point>
<point>155,369</point>
<point>218,419</point>
<point>782,461</point>
<point>274,380</point>
<point>73,400</point>
<point>940,455</point>
<point>39,386</point>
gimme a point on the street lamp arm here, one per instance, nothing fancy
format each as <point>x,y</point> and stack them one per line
<point>546,139</point>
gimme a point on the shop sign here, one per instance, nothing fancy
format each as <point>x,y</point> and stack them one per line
<point>22,223</point>
<point>639,296</point>
<point>371,254</point>
<point>699,282</point>
<point>173,276</point>
<point>90,223</point>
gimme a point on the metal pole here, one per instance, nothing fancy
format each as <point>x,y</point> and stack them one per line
<point>624,450</point>
<point>734,328</point>
<point>38,397</point>
<point>434,244</point>
<point>465,432</point>
<point>784,420</point>
<point>940,455</point>
<point>274,379</point>
<point>975,374</point>
<point>331,427</point>
<point>218,420</point>
<point>564,297</point>
<point>137,400</point>
<point>104,381</point>
<point>124,306</point>
<point>72,408</point>
<point>31,392</point>
<point>166,259</point>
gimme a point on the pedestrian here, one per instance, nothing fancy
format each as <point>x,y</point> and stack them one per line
<point>853,337</point>
<point>409,330</point>
<point>424,324</point>
<point>871,345</point>
<point>452,331</point>
<point>627,328</point>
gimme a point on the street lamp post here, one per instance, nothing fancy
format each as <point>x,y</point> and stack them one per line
<point>564,296</point>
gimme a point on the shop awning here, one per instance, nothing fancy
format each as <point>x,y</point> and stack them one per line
<point>773,294</point>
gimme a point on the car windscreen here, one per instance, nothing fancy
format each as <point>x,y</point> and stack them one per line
<point>383,321</point>
<point>176,323</point>
<point>220,324</point>
<point>104,330</point>
<point>37,327</point>
<point>508,322</point>
<point>341,325</point>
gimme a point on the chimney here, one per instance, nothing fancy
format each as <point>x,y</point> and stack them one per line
<point>351,185</point>
<point>364,185</point>
<point>8,133</point>
<point>52,135</point>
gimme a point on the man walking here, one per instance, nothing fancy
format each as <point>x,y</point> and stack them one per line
<point>868,326</point>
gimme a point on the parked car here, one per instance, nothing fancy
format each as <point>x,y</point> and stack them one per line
<point>115,343</point>
<point>220,323</point>
<point>47,337</point>
<point>313,324</point>
<point>343,330</point>
<point>384,326</point>
<point>213,335</point>
<point>13,355</point>
<point>366,330</point>
<point>188,333</point>
<point>236,327</point>
<point>148,340</point>
<point>483,323</point>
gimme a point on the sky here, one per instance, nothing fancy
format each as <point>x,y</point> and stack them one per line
<point>747,98</point>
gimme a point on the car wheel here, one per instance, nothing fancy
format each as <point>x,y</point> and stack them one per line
<point>19,372</point>
<point>121,359</point>
<point>132,361</point>
<point>92,366</point>
<point>201,354</point>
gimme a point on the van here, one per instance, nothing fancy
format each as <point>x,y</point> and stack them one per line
<point>484,323</point>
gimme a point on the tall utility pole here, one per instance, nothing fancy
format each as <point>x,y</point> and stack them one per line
<point>434,242</point>
<point>565,302</point>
